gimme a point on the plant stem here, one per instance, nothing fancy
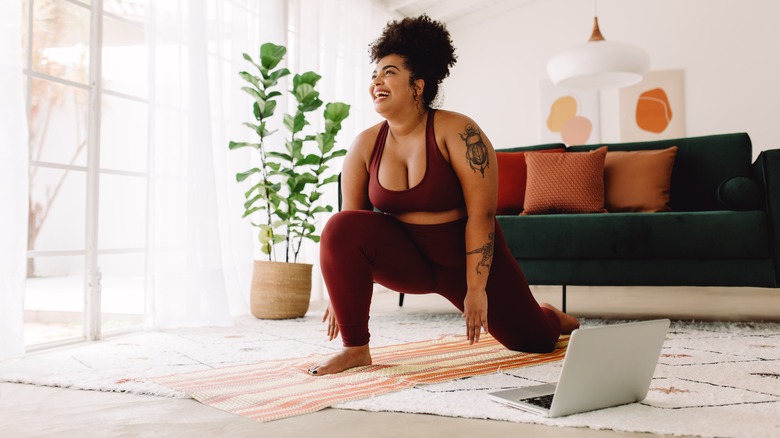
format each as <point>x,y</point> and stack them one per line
<point>264,173</point>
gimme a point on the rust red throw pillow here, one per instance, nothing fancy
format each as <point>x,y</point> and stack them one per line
<point>572,182</point>
<point>512,180</point>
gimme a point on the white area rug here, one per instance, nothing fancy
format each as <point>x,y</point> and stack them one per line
<point>712,379</point>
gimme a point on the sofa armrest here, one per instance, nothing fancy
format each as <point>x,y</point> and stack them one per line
<point>766,172</point>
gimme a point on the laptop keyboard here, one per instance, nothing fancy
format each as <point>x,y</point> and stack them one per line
<point>544,401</point>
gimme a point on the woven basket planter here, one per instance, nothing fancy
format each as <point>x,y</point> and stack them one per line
<point>280,290</point>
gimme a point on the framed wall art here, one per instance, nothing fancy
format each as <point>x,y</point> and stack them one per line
<point>568,116</point>
<point>654,108</point>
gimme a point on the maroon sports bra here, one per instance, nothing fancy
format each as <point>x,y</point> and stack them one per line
<point>439,190</point>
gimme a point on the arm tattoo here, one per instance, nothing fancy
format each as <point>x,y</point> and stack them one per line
<point>476,150</point>
<point>487,253</point>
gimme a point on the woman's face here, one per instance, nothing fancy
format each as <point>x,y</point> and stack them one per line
<point>390,88</point>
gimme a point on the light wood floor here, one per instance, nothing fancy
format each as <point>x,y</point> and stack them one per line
<point>30,411</point>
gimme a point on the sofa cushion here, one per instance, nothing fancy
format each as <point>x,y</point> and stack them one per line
<point>512,175</point>
<point>701,164</point>
<point>675,235</point>
<point>565,183</point>
<point>638,180</point>
<point>739,193</point>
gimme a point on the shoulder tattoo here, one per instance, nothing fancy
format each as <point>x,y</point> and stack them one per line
<point>476,150</point>
<point>487,253</point>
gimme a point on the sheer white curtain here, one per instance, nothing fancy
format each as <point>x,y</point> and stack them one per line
<point>331,37</point>
<point>13,182</point>
<point>200,248</point>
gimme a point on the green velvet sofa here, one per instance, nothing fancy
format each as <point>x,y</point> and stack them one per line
<point>723,230</point>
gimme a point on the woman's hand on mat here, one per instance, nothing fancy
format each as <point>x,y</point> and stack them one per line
<point>333,325</point>
<point>475,308</point>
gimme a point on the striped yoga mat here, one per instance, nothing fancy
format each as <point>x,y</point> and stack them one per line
<point>280,389</point>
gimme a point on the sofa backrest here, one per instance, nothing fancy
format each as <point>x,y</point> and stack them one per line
<point>538,147</point>
<point>701,165</point>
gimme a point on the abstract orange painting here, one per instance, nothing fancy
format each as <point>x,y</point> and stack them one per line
<point>653,109</point>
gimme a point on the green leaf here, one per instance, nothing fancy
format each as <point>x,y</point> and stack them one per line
<point>257,187</point>
<point>252,79</point>
<point>289,122</point>
<point>249,58</point>
<point>271,55</point>
<point>256,198</point>
<point>304,92</point>
<point>310,104</point>
<point>241,144</point>
<point>252,210</point>
<point>336,112</point>
<point>244,175</point>
<point>295,124</point>
<point>281,156</point>
<point>253,92</point>
<point>265,234</point>
<point>299,197</point>
<point>294,148</point>
<point>270,106</point>
<point>256,111</point>
<point>321,209</point>
<point>302,180</point>
<point>262,131</point>
<point>278,74</point>
<point>329,180</point>
<point>309,160</point>
<point>309,78</point>
<point>325,142</point>
<point>335,154</point>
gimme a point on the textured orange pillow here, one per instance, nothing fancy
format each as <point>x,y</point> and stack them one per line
<point>639,180</point>
<point>565,183</point>
<point>511,180</point>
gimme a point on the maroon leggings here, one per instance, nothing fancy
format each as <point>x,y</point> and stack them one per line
<point>359,248</point>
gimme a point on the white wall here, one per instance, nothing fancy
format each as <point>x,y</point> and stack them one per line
<point>729,51</point>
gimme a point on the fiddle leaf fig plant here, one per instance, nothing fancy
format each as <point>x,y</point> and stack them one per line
<point>293,171</point>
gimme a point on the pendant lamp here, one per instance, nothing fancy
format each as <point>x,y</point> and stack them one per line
<point>598,64</point>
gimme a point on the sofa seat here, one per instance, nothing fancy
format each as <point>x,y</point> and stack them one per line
<point>704,235</point>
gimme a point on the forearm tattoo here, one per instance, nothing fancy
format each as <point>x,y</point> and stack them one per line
<point>487,253</point>
<point>476,150</point>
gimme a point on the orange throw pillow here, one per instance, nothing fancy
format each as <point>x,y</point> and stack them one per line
<point>639,181</point>
<point>511,180</point>
<point>572,182</point>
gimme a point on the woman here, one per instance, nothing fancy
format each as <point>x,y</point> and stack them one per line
<point>433,174</point>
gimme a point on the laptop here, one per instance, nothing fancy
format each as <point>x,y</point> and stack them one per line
<point>604,366</point>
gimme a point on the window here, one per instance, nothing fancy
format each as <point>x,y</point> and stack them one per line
<point>135,216</point>
<point>87,112</point>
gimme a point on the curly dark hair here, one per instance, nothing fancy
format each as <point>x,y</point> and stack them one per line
<point>426,47</point>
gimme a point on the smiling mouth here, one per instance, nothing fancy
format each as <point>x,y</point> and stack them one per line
<point>380,95</point>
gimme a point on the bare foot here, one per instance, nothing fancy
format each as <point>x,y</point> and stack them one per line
<point>568,322</point>
<point>349,357</point>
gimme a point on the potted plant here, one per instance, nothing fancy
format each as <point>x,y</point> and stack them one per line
<point>286,188</point>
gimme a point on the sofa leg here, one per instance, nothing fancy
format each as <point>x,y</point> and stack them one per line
<point>400,300</point>
<point>563,298</point>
